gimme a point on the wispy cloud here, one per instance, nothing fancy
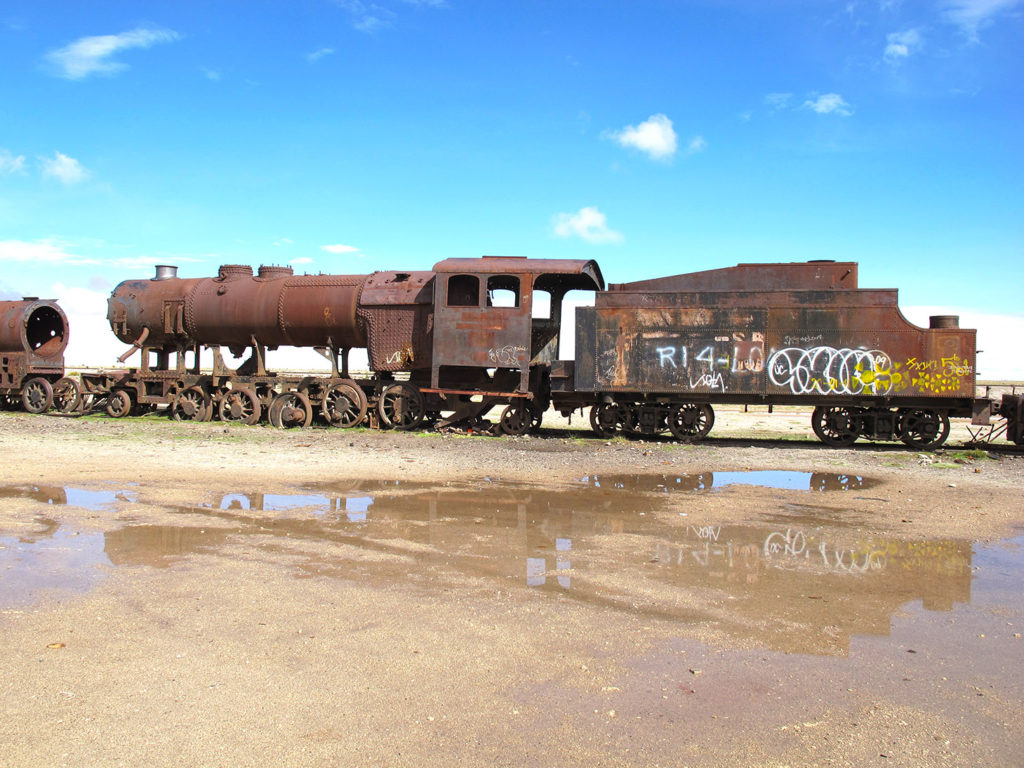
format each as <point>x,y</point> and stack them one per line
<point>829,104</point>
<point>301,260</point>
<point>52,250</point>
<point>318,54</point>
<point>777,101</point>
<point>974,15</point>
<point>337,249</point>
<point>211,74</point>
<point>901,45</point>
<point>697,144</point>
<point>11,163</point>
<point>95,55</point>
<point>655,136</point>
<point>587,223</point>
<point>366,16</point>
<point>65,169</point>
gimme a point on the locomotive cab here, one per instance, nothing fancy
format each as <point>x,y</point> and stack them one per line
<point>488,315</point>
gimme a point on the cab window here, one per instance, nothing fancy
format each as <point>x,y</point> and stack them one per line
<point>463,291</point>
<point>502,291</point>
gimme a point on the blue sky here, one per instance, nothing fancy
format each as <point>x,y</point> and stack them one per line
<point>656,137</point>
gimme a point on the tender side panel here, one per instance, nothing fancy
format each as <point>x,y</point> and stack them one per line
<point>785,351</point>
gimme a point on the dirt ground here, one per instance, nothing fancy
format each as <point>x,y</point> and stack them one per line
<point>205,594</point>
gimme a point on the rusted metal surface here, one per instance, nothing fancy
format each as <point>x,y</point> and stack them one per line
<point>809,343</point>
<point>33,336</point>
<point>235,308</point>
<point>38,328</point>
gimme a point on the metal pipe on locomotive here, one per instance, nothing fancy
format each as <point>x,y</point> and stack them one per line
<point>33,337</point>
<point>651,356</point>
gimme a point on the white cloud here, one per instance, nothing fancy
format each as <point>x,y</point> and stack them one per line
<point>90,341</point>
<point>998,335</point>
<point>973,15</point>
<point>655,136</point>
<point>45,251</point>
<point>65,169</point>
<point>94,55</point>
<point>11,163</point>
<point>697,144</point>
<point>283,241</point>
<point>319,54</point>
<point>211,74</point>
<point>587,223</point>
<point>51,250</point>
<point>900,45</point>
<point>301,260</point>
<point>777,101</point>
<point>339,248</point>
<point>829,103</point>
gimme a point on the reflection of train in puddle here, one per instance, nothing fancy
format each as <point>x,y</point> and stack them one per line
<point>804,588</point>
<point>796,586</point>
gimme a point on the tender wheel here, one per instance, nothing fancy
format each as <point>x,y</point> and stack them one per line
<point>401,406</point>
<point>691,422</point>
<point>606,419</point>
<point>36,395</point>
<point>67,395</point>
<point>344,405</point>
<point>119,403</point>
<point>290,410</point>
<point>239,405</point>
<point>516,419</point>
<point>920,428</point>
<point>837,426</point>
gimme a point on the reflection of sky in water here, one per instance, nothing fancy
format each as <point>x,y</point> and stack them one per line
<point>95,500</point>
<point>790,481</point>
<point>357,507</point>
<point>62,561</point>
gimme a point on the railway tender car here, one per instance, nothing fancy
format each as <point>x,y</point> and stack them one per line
<point>657,355</point>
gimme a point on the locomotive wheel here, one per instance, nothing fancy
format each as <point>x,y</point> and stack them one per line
<point>920,428</point>
<point>516,419</point>
<point>37,395</point>
<point>837,426</point>
<point>691,422</point>
<point>192,404</point>
<point>67,395</point>
<point>606,419</point>
<point>119,403</point>
<point>240,405</point>
<point>290,410</point>
<point>344,405</point>
<point>401,406</point>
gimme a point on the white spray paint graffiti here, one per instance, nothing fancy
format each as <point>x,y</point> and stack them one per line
<point>507,355</point>
<point>827,371</point>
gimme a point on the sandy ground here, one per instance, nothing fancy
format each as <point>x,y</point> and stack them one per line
<point>202,594</point>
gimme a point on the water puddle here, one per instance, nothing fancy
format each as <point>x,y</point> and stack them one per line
<point>713,481</point>
<point>796,577</point>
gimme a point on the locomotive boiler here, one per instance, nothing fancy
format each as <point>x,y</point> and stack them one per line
<point>33,337</point>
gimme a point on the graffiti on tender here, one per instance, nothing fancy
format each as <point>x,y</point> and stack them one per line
<point>709,361</point>
<point>830,371</point>
<point>938,375</point>
<point>507,356</point>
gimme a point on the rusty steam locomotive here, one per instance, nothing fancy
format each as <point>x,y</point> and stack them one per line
<point>471,335</point>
